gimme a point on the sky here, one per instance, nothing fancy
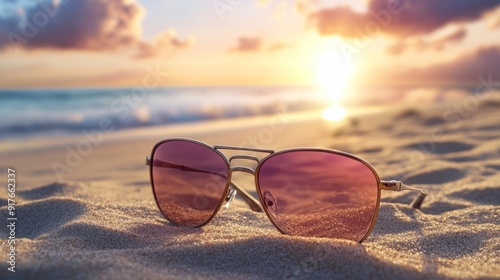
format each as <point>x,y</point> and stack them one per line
<point>117,43</point>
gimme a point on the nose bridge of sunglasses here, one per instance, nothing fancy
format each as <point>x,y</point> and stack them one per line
<point>236,163</point>
<point>239,157</point>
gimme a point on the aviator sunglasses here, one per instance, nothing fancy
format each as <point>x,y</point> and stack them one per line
<point>308,192</point>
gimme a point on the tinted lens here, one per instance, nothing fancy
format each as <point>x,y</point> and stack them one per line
<point>318,193</point>
<point>189,180</point>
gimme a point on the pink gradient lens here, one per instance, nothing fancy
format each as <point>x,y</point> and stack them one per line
<point>319,194</point>
<point>189,180</point>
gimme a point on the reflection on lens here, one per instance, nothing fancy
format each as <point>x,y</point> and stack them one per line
<point>189,180</point>
<point>319,194</point>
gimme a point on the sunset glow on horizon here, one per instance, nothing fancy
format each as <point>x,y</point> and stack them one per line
<point>331,44</point>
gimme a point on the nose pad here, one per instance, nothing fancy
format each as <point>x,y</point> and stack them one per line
<point>270,203</point>
<point>229,198</point>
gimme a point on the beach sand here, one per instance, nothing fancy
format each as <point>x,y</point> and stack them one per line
<point>101,220</point>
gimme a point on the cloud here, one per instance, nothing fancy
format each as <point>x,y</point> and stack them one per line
<point>256,44</point>
<point>422,45</point>
<point>247,44</point>
<point>165,42</point>
<point>466,69</point>
<point>99,25</point>
<point>339,21</point>
<point>91,25</point>
<point>454,37</point>
<point>397,48</point>
<point>400,18</point>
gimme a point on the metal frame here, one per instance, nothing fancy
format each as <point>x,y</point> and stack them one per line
<point>226,188</point>
<point>258,205</point>
<point>364,162</point>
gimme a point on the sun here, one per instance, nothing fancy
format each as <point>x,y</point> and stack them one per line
<point>333,72</point>
<point>334,113</point>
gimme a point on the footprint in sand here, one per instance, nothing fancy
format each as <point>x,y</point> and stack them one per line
<point>441,147</point>
<point>439,176</point>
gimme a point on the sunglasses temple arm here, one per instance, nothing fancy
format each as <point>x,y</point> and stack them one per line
<point>252,202</point>
<point>399,186</point>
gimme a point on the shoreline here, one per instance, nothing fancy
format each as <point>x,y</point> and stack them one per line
<point>51,140</point>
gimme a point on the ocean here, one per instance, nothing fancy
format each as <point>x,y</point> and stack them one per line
<point>33,112</point>
<point>26,113</point>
